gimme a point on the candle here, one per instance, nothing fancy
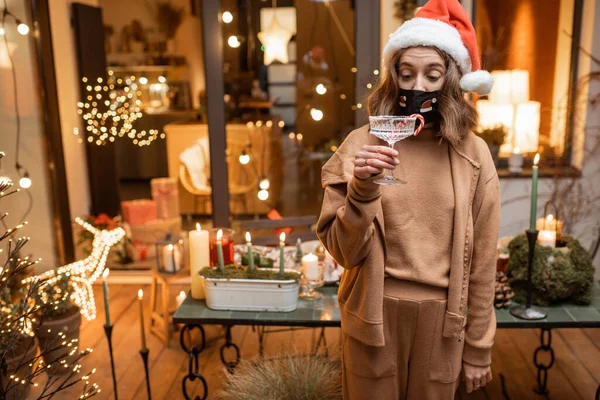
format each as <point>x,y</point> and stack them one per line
<point>180,298</point>
<point>140,297</point>
<point>310,266</point>
<point>220,251</point>
<point>199,258</point>
<point>281,255</point>
<point>547,238</point>
<point>250,255</point>
<point>515,162</point>
<point>105,287</point>
<point>171,258</point>
<point>534,187</point>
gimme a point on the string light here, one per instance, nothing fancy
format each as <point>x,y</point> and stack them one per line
<point>162,79</point>
<point>143,80</point>
<point>25,181</point>
<point>85,272</point>
<point>354,70</point>
<point>234,42</point>
<point>321,89</point>
<point>264,184</point>
<point>244,158</point>
<point>122,109</point>
<point>263,195</point>
<point>22,28</point>
<point>376,72</point>
<point>227,17</point>
<point>316,114</point>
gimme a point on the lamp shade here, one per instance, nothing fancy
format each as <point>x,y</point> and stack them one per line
<point>510,87</point>
<point>492,114</point>
<point>501,91</point>
<point>519,86</point>
<point>527,126</point>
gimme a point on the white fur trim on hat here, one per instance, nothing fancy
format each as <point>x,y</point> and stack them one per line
<point>429,32</point>
<point>480,82</point>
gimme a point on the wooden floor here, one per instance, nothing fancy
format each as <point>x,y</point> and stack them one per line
<point>575,375</point>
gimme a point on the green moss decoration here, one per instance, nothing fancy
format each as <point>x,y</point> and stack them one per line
<point>240,272</point>
<point>260,262</point>
<point>561,274</point>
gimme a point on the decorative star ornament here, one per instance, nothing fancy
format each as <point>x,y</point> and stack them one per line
<point>275,39</point>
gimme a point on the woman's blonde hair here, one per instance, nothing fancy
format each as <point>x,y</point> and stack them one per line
<point>458,115</point>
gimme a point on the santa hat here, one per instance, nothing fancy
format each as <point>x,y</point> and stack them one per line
<point>444,24</point>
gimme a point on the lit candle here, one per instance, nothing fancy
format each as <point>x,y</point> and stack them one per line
<point>310,266</point>
<point>534,187</point>
<point>250,255</point>
<point>140,297</point>
<point>547,235</point>
<point>171,258</point>
<point>220,250</point>
<point>180,298</point>
<point>281,255</point>
<point>105,287</point>
<point>515,162</point>
<point>199,258</point>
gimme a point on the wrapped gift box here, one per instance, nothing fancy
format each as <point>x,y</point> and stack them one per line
<point>149,233</point>
<point>165,194</point>
<point>137,212</point>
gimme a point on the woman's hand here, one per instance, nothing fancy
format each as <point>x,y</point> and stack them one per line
<point>372,160</point>
<point>475,376</point>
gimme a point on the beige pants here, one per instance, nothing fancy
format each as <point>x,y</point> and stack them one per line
<point>417,362</point>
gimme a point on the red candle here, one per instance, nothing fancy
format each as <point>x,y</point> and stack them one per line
<point>227,244</point>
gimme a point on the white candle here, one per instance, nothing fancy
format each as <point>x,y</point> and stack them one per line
<point>547,238</point>
<point>310,266</point>
<point>171,258</point>
<point>515,162</point>
<point>199,258</point>
<point>180,298</point>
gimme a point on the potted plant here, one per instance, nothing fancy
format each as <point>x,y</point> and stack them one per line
<point>494,137</point>
<point>60,320</point>
<point>241,288</point>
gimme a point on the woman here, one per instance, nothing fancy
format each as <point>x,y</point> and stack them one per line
<point>417,256</point>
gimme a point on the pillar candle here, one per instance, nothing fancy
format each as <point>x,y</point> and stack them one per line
<point>534,187</point>
<point>140,297</point>
<point>281,252</point>
<point>547,238</point>
<point>250,255</point>
<point>220,251</point>
<point>310,266</point>
<point>199,258</point>
<point>171,258</point>
<point>105,287</point>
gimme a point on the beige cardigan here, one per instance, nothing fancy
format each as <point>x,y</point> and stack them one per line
<point>351,228</point>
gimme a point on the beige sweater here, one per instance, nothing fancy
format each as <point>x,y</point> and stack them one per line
<point>418,215</point>
<point>351,226</point>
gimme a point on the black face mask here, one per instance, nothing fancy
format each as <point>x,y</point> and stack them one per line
<point>420,102</point>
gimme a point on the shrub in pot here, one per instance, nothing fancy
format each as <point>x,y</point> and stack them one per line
<point>60,321</point>
<point>494,137</point>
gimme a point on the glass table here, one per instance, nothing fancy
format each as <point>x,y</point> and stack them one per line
<point>324,313</point>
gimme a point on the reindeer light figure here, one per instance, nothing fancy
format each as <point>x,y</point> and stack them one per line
<point>85,272</point>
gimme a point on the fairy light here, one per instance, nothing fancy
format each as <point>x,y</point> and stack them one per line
<point>85,272</point>
<point>122,108</point>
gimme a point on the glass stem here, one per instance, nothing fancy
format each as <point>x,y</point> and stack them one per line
<point>390,173</point>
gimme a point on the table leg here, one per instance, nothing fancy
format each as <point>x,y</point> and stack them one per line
<point>193,369</point>
<point>542,374</point>
<point>322,341</point>
<point>228,343</point>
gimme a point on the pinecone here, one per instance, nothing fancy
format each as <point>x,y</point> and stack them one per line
<point>503,291</point>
